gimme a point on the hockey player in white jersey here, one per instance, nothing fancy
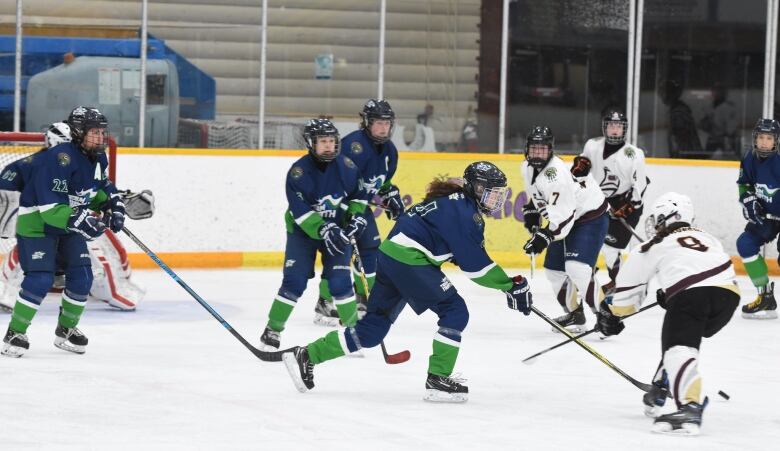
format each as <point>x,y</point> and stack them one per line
<point>576,212</point>
<point>699,293</point>
<point>619,169</point>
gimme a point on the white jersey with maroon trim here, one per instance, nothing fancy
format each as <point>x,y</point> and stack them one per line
<point>621,172</point>
<point>560,198</point>
<point>686,258</point>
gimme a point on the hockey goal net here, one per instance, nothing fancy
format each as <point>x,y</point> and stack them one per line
<point>16,145</point>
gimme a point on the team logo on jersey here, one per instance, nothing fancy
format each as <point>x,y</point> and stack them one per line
<point>478,219</point>
<point>550,173</point>
<point>765,193</point>
<point>28,159</point>
<point>328,206</point>
<point>296,172</point>
<point>349,163</point>
<point>609,184</point>
<point>373,184</point>
<point>356,147</point>
<point>629,152</point>
<point>63,159</point>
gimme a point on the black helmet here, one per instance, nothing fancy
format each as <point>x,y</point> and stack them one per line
<point>539,135</point>
<point>610,116</point>
<point>770,127</point>
<point>81,120</point>
<point>377,110</point>
<point>485,183</point>
<point>320,127</point>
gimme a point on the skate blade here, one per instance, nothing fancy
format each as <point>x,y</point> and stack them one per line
<point>761,314</point>
<point>327,321</point>
<point>65,346</point>
<point>440,396</point>
<point>685,429</point>
<point>653,411</point>
<point>6,308</point>
<point>13,351</point>
<point>292,369</point>
<point>576,329</point>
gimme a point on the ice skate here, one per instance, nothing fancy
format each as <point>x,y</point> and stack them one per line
<point>300,368</point>
<point>15,344</point>
<point>270,340</point>
<point>764,307</point>
<point>573,321</point>
<point>70,339</point>
<point>655,399</point>
<point>445,389</point>
<point>325,313</point>
<point>686,421</point>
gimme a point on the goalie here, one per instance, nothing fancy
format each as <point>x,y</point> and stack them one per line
<point>110,265</point>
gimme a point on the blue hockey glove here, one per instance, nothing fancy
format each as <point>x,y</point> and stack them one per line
<point>334,238</point>
<point>532,219</point>
<point>519,296</point>
<point>607,323</point>
<point>391,201</point>
<point>751,208</point>
<point>85,224</point>
<point>538,242</point>
<point>356,227</point>
<point>114,212</point>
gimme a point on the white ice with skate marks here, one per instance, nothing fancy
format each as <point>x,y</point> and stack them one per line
<point>170,377</point>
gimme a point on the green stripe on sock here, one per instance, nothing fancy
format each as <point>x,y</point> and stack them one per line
<point>21,317</point>
<point>278,316</point>
<point>325,348</point>
<point>442,361</point>
<point>325,290</point>
<point>347,313</point>
<point>70,314</point>
<point>757,270</point>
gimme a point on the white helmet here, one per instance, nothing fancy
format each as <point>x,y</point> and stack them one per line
<point>58,133</point>
<point>668,209</point>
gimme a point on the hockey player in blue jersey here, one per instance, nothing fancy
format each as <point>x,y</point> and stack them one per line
<point>376,157</point>
<point>758,184</point>
<point>63,185</point>
<point>324,194</point>
<point>446,226</point>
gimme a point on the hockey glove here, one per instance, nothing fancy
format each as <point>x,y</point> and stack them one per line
<point>115,213</point>
<point>519,296</point>
<point>660,297</point>
<point>626,208</point>
<point>538,242</point>
<point>391,201</point>
<point>581,166</point>
<point>356,227</point>
<point>607,323</point>
<point>334,238</point>
<point>532,219</point>
<point>85,224</point>
<point>751,208</point>
<point>139,205</point>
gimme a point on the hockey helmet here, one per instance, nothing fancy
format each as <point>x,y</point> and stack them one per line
<point>484,182</point>
<point>317,128</point>
<point>377,109</point>
<point>539,135</point>
<point>769,127</point>
<point>670,208</point>
<point>614,116</point>
<point>81,120</point>
<point>57,133</point>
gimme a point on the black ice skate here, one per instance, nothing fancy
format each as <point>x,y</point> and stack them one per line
<point>70,339</point>
<point>764,307</point>
<point>686,421</point>
<point>655,399</point>
<point>573,321</point>
<point>445,389</point>
<point>325,313</point>
<point>300,368</point>
<point>15,344</point>
<point>269,341</point>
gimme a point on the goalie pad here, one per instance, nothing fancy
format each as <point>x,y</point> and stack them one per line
<point>139,205</point>
<point>9,206</point>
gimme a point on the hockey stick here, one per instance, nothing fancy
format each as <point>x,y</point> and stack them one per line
<point>390,359</point>
<point>529,360</point>
<point>630,229</point>
<point>262,355</point>
<point>593,352</point>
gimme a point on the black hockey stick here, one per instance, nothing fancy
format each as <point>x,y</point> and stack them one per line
<point>630,229</point>
<point>262,355</point>
<point>529,360</point>
<point>593,352</point>
<point>390,359</point>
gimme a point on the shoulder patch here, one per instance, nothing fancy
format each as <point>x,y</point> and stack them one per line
<point>629,152</point>
<point>28,159</point>
<point>356,147</point>
<point>296,172</point>
<point>550,173</point>
<point>478,219</point>
<point>63,158</point>
<point>350,164</point>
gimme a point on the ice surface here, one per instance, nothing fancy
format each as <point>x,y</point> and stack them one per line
<point>170,377</point>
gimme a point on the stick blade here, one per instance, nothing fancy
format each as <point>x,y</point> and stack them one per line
<point>401,357</point>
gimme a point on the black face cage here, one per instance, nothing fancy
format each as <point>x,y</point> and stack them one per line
<point>764,153</point>
<point>614,139</point>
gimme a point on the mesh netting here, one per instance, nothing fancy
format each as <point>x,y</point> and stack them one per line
<point>13,146</point>
<point>241,134</point>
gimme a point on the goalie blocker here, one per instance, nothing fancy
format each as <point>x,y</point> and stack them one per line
<point>111,269</point>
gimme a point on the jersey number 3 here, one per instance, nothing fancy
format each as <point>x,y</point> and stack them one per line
<point>692,243</point>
